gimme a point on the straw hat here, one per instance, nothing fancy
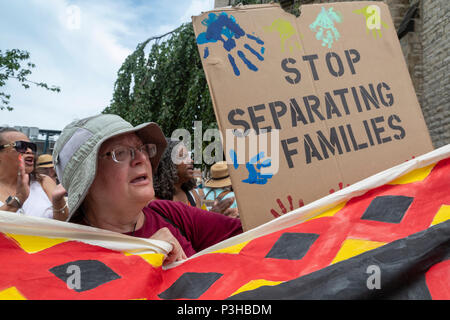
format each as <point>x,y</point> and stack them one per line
<point>219,176</point>
<point>45,161</point>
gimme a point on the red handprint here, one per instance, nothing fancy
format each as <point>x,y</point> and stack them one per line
<point>341,186</point>
<point>283,208</point>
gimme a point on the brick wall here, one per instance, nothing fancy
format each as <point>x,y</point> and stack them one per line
<point>413,52</point>
<point>436,69</point>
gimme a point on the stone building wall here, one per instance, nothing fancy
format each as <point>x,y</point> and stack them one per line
<point>426,48</point>
<point>413,52</point>
<point>436,69</point>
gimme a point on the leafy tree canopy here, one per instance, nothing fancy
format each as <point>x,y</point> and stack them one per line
<point>11,68</point>
<point>166,86</point>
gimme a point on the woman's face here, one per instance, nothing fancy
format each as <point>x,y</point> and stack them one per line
<point>9,157</point>
<point>185,169</point>
<point>120,184</point>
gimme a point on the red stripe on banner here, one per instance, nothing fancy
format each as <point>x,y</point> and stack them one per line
<point>251,264</point>
<point>30,274</point>
<point>438,281</point>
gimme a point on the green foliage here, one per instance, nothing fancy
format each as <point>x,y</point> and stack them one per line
<point>164,82</point>
<point>166,86</point>
<point>11,68</point>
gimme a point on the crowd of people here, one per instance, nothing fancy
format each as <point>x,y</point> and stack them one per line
<point>108,174</point>
<point>174,180</point>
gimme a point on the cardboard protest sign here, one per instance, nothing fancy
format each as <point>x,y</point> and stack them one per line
<point>307,105</point>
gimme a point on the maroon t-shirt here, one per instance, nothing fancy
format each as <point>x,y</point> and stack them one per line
<point>195,229</point>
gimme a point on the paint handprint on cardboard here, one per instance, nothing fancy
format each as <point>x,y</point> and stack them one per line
<point>372,15</point>
<point>324,26</point>
<point>287,34</point>
<point>254,166</point>
<point>283,207</point>
<point>223,28</point>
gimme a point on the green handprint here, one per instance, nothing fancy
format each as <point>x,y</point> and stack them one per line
<point>286,31</point>
<point>373,19</point>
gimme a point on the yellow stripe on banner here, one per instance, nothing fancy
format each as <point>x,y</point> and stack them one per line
<point>414,176</point>
<point>331,212</point>
<point>255,284</point>
<point>155,259</point>
<point>442,215</point>
<point>32,244</point>
<point>11,294</point>
<point>232,249</point>
<point>354,247</point>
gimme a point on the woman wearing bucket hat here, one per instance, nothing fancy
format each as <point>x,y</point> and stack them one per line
<point>107,165</point>
<point>218,187</point>
<point>22,189</point>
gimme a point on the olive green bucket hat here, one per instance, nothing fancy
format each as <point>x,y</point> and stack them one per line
<point>76,151</point>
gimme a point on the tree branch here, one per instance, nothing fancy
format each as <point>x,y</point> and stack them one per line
<point>43,85</point>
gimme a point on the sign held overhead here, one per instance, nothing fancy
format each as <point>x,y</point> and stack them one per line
<point>307,105</point>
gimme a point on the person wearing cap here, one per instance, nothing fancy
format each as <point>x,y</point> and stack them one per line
<point>107,165</point>
<point>44,165</point>
<point>218,187</point>
<point>22,189</point>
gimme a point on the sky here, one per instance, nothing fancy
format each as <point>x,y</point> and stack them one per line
<point>79,45</point>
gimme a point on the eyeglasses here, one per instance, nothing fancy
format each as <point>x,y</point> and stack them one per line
<point>21,146</point>
<point>124,154</point>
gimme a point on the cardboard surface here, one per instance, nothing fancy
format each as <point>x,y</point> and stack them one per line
<point>331,89</point>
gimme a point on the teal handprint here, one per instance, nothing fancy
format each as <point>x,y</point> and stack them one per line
<point>324,26</point>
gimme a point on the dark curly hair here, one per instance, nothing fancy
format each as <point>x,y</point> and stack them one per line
<point>166,175</point>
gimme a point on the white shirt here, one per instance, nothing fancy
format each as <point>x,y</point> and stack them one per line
<point>38,204</point>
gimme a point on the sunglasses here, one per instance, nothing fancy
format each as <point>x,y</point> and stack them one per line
<point>21,146</point>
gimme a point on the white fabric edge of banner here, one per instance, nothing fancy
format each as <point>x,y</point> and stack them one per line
<point>14,223</point>
<point>319,206</point>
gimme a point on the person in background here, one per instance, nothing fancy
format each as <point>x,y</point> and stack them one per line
<point>219,187</point>
<point>44,165</point>
<point>174,180</point>
<point>22,189</point>
<point>107,165</point>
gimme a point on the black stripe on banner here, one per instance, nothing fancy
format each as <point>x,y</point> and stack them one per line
<point>402,265</point>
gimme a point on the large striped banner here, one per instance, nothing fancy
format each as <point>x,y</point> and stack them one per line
<point>386,237</point>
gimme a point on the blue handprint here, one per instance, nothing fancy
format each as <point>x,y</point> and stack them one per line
<point>221,27</point>
<point>254,168</point>
<point>233,156</point>
<point>254,174</point>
